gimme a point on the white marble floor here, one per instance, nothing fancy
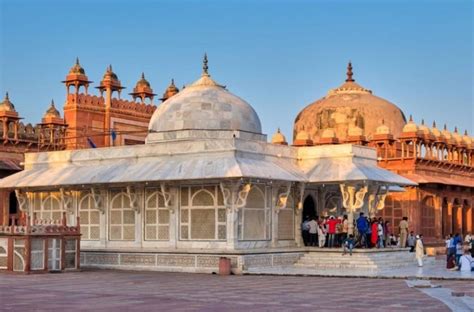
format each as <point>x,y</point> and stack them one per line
<point>434,269</point>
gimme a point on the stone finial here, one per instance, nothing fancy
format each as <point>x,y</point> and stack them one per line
<point>6,96</point>
<point>349,73</point>
<point>205,68</point>
<point>434,124</point>
<point>77,61</point>
<point>423,121</point>
<point>143,75</point>
<point>445,127</point>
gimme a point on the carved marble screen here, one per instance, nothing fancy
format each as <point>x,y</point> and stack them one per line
<point>202,213</point>
<point>50,208</point>
<point>89,218</point>
<point>157,216</point>
<point>254,218</point>
<point>122,217</point>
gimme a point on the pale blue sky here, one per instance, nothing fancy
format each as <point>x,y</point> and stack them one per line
<point>277,55</point>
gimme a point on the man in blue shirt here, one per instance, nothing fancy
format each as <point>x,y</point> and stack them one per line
<point>362,227</point>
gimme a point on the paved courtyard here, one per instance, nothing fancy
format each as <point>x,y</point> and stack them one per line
<point>155,291</point>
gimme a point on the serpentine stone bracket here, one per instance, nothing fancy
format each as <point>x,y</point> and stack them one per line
<point>134,198</point>
<point>353,196</point>
<point>23,200</point>
<point>99,197</point>
<point>235,194</point>
<point>67,200</point>
<point>167,196</point>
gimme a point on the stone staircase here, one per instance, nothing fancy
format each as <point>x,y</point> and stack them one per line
<point>361,259</point>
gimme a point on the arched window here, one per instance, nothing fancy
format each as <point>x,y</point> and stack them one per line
<point>122,218</point>
<point>89,218</point>
<point>254,218</point>
<point>156,216</point>
<point>51,208</point>
<point>202,214</point>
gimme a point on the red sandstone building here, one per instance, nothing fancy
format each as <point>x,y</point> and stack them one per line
<point>441,162</point>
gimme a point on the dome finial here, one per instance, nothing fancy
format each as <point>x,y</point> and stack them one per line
<point>204,65</point>
<point>383,121</point>
<point>143,75</point>
<point>6,96</point>
<point>52,102</point>
<point>456,129</point>
<point>434,124</point>
<point>172,81</point>
<point>411,118</point>
<point>445,127</point>
<point>465,132</point>
<point>77,60</point>
<point>423,121</point>
<point>349,73</point>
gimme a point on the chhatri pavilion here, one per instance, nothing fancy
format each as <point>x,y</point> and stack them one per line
<point>205,184</point>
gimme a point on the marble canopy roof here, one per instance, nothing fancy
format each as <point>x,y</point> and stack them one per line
<point>199,161</point>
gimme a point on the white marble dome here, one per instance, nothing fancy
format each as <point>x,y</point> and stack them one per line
<point>205,105</point>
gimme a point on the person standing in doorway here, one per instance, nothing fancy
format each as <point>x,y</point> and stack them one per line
<point>305,230</point>
<point>419,250</point>
<point>403,226</point>
<point>313,231</point>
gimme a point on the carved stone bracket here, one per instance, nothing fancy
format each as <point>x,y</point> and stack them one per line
<point>353,196</point>
<point>280,199</point>
<point>377,199</point>
<point>134,198</point>
<point>235,194</point>
<point>67,200</point>
<point>23,201</point>
<point>99,197</point>
<point>167,196</point>
<point>300,187</point>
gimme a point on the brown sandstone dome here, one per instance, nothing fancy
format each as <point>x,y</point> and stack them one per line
<point>348,105</point>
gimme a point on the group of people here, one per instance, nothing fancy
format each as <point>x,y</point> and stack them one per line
<point>460,253</point>
<point>331,232</point>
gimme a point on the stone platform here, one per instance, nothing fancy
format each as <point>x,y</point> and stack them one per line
<point>247,261</point>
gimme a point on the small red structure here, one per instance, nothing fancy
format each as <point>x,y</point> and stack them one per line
<point>40,246</point>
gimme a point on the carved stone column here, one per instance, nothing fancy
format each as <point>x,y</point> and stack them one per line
<point>280,193</point>
<point>299,194</point>
<point>235,197</point>
<point>170,195</point>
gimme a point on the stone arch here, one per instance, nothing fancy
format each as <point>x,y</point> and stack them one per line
<point>309,207</point>
<point>51,208</point>
<point>428,216</point>
<point>203,198</point>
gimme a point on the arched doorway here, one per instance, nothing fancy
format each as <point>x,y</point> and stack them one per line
<point>428,217</point>
<point>309,207</point>
<point>12,208</point>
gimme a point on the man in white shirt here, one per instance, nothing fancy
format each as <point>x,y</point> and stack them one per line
<point>313,232</point>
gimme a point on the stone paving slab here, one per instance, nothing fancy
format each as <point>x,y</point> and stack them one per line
<point>103,290</point>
